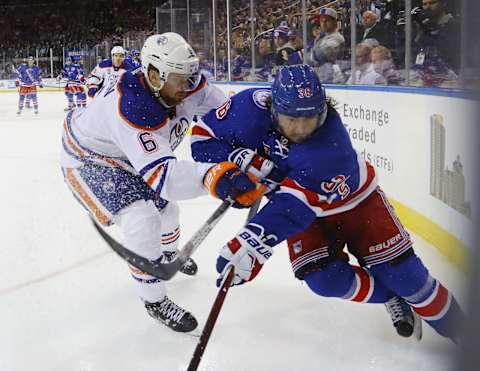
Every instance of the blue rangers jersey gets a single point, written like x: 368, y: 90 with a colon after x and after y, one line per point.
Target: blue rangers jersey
x: 29, y: 76
x: 325, y: 175
x: 73, y: 73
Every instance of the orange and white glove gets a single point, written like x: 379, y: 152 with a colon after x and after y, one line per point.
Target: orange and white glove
x: 227, y: 182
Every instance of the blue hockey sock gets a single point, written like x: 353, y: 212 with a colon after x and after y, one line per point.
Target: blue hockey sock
x: 427, y: 296
x: 342, y: 280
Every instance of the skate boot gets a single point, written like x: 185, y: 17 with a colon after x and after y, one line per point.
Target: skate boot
x: 190, y: 268
x: 19, y: 112
x: 35, y: 111
x: 406, y: 321
x: 172, y: 315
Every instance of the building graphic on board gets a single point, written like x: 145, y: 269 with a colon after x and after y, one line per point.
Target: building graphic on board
x: 445, y: 184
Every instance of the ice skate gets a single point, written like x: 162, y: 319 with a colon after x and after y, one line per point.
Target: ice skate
x: 172, y: 315
x: 406, y: 321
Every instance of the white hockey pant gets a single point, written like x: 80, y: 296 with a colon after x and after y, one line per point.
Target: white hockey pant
x: 152, y: 234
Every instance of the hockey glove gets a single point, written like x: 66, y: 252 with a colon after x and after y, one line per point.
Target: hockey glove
x: 17, y: 83
x: 247, y: 253
x: 91, y: 92
x: 227, y: 182
x: 40, y: 86
x: 265, y: 170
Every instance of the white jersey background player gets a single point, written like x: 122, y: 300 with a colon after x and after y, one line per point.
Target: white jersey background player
x: 118, y: 160
x: 108, y: 71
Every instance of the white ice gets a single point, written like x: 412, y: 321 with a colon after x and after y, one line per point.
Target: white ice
x: 67, y: 302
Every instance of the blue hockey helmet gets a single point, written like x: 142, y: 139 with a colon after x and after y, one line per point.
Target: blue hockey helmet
x: 297, y: 92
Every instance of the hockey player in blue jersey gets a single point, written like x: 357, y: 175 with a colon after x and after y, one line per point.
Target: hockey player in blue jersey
x: 29, y: 76
x: 75, y: 86
x: 133, y: 58
x: 324, y: 196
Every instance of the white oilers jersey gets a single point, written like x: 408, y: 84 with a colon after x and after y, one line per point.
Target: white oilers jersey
x: 105, y: 74
x: 126, y: 127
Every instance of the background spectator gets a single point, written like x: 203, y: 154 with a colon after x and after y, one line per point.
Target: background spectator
x: 366, y: 74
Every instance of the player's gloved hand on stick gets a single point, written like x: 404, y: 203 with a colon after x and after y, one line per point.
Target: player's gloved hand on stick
x: 264, y: 169
x: 91, y: 92
x: 247, y: 253
x: 227, y: 182
x: 41, y: 86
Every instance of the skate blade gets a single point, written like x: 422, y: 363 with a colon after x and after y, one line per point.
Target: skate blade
x: 417, y: 326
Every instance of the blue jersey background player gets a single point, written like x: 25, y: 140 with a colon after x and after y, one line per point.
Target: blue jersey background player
x: 29, y: 76
x: 325, y: 197
x: 75, y: 86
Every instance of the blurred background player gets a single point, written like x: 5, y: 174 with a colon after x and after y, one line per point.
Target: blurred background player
x: 29, y: 76
x: 75, y: 86
x: 133, y: 58
x: 326, y: 198
x: 124, y: 171
x: 107, y: 72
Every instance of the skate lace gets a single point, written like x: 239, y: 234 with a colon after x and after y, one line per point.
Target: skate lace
x: 171, y: 311
x: 397, y: 308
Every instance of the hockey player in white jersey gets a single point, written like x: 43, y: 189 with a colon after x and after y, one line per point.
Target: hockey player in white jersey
x: 117, y: 159
x: 109, y: 69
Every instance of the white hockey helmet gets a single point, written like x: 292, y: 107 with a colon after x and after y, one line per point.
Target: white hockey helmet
x: 117, y: 50
x: 169, y: 53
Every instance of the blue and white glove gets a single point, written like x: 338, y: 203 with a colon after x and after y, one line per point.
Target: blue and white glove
x: 265, y: 170
x: 247, y: 253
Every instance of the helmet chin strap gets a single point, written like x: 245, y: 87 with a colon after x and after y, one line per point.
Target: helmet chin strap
x: 156, y: 92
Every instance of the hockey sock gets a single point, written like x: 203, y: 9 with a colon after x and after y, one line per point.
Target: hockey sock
x: 34, y: 101
x: 342, y: 280
x: 427, y: 296
x: 69, y: 99
x: 21, y: 102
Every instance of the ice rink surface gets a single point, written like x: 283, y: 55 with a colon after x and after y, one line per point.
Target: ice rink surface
x: 67, y: 302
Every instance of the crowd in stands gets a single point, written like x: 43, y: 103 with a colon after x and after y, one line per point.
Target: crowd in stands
x: 379, y: 47
x: 380, y: 41
x: 76, y: 23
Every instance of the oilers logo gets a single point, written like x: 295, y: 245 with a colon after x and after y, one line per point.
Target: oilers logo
x: 162, y: 40
x: 178, y: 131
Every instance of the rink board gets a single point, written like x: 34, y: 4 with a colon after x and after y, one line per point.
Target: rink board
x: 421, y: 143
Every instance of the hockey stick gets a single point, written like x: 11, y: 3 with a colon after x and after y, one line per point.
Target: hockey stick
x: 211, y: 320
x: 217, y: 306
x: 165, y: 271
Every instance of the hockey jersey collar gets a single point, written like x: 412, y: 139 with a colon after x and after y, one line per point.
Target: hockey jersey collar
x: 137, y: 106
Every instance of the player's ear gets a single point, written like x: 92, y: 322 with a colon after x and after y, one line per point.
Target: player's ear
x: 153, y: 75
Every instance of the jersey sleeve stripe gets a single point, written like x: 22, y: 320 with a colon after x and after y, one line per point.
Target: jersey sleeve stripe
x: 153, y: 164
x: 201, y: 131
x: 161, y: 182
x: 154, y: 175
x: 321, y: 205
